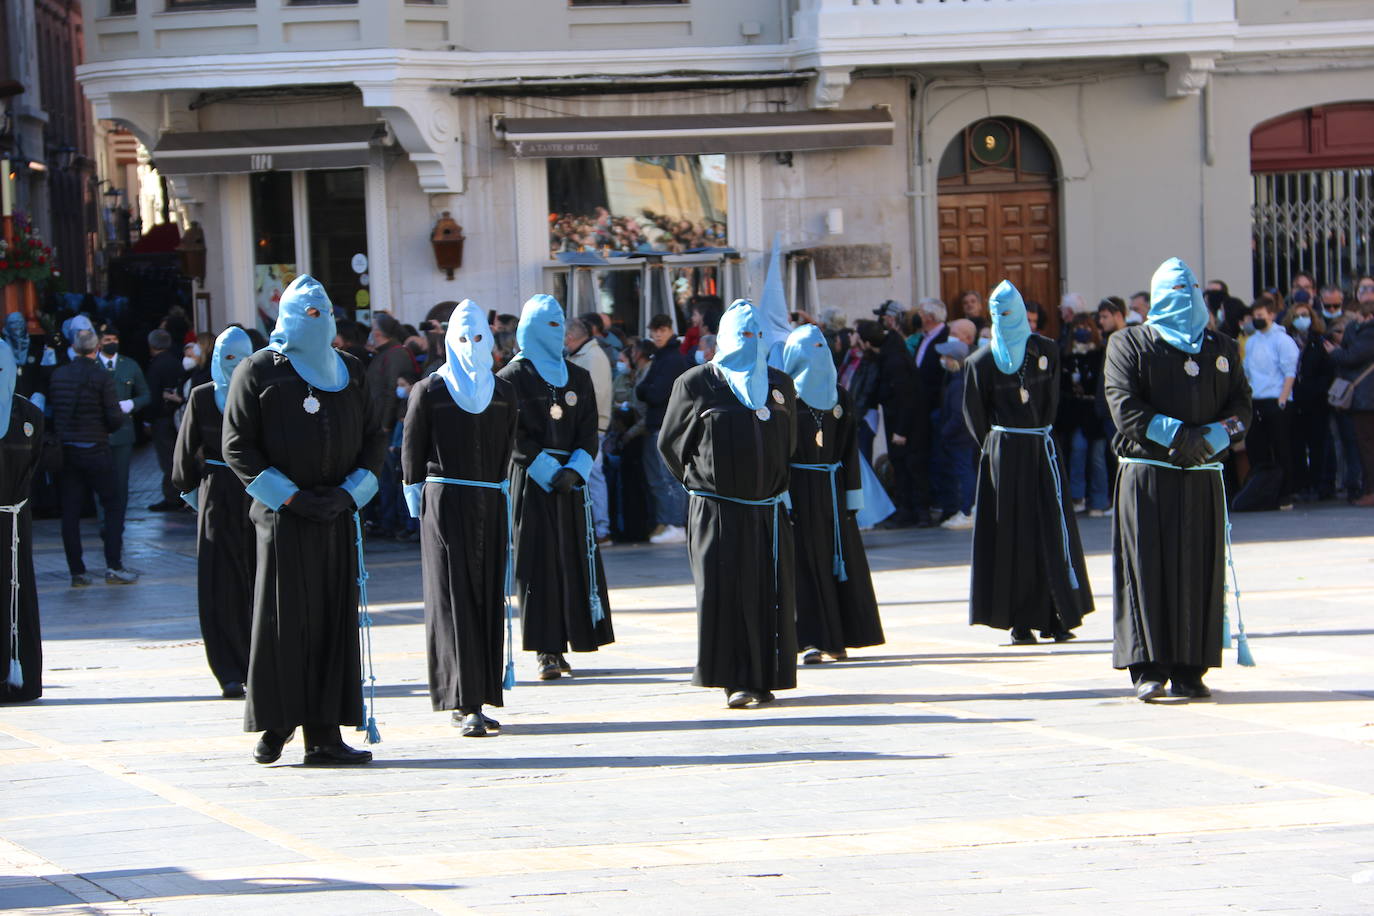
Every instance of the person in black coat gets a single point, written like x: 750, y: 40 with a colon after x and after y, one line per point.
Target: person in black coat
x: 564, y: 602
x: 457, y: 439
x: 226, y: 542
x: 901, y: 397
x: 1180, y: 399
x: 165, y: 375
x: 303, y: 435
x: 1028, y: 568
x: 85, y: 410
x: 1312, y: 445
x: 21, y: 676
x: 728, y: 436
x: 668, y: 363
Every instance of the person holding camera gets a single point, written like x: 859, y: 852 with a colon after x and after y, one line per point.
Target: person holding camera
x: 1179, y: 398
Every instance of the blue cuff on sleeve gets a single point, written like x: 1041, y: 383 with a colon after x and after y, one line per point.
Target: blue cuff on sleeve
x: 1217, y: 437
x: 582, y: 463
x: 272, y: 488
x: 854, y: 500
x: 361, y: 484
x: 413, y: 492
x: 542, y: 469
x: 1162, y: 430
x: 192, y: 499
x: 39, y: 400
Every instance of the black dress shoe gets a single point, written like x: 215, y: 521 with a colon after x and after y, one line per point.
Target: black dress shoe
x: 548, y: 667
x: 1193, y: 691
x: 1021, y: 637
x: 336, y: 755
x: 738, y: 699
x: 1058, y: 635
x: 564, y: 665
x: 492, y: 725
x: 270, y: 745
x: 471, y: 724
x: 232, y: 691
x: 1146, y: 691
x: 764, y: 696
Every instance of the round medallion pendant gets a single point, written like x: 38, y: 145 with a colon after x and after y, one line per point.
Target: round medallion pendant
x: 762, y: 413
x: 556, y: 411
x: 311, y: 404
x: 820, y: 438
x: 1191, y: 368
x: 1025, y: 396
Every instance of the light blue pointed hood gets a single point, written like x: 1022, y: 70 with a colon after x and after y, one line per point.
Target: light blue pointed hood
x: 540, y: 337
x: 772, y: 309
x: 308, y: 340
x: 468, y: 358
x: 743, y: 360
x: 1177, y: 310
x: 806, y: 357
x: 9, y: 378
x: 232, y: 347
x: 17, y: 333
x: 1010, y: 327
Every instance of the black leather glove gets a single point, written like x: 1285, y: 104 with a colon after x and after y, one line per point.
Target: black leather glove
x: 307, y: 504
x: 564, y: 480
x: 338, y: 499
x: 1190, y: 447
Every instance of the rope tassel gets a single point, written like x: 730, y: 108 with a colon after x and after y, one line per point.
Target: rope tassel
x: 15, y: 676
x: 369, y: 681
x: 593, y: 590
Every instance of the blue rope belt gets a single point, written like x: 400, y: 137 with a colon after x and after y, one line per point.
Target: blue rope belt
x: 772, y: 501
x: 15, y: 675
x: 1053, y: 455
x: 215, y: 462
x: 589, y: 528
x: 369, y: 682
x: 508, y: 680
x: 833, y: 472
x: 1243, y: 656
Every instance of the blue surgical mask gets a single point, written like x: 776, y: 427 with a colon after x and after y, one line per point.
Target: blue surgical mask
x: 1082, y: 335
x: 984, y: 342
x: 1302, y: 322
x: 402, y: 392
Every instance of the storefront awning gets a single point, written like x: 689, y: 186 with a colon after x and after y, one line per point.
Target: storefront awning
x: 222, y: 152
x: 672, y: 135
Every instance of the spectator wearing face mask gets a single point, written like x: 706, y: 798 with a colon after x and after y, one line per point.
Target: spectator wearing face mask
x: 1333, y: 304
x: 1354, y: 360
x: 1226, y: 308
x: 1078, y: 425
x: 1312, y: 445
x: 1271, y: 365
x: 391, y: 366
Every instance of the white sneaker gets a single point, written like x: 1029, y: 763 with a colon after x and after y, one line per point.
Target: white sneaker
x: 1080, y: 505
x: 671, y: 534
x: 958, y: 522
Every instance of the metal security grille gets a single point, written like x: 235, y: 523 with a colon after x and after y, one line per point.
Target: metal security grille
x: 1317, y: 221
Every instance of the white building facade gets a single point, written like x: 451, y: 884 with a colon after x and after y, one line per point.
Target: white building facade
x: 627, y: 155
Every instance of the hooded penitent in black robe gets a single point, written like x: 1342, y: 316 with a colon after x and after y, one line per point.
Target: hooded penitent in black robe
x: 551, y: 553
x: 832, y: 615
x: 304, y: 667
x: 1020, y: 574
x: 20, y: 452
x: 746, y: 609
x: 462, y: 537
x: 1168, y: 532
x: 226, y: 542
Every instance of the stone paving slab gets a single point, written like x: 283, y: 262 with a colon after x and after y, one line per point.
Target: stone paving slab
x: 942, y: 772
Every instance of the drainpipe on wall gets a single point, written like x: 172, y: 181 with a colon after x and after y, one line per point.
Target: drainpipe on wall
x: 915, y: 182
x: 1208, y: 159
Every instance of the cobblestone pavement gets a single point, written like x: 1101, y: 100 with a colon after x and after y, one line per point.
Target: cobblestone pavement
x: 945, y: 771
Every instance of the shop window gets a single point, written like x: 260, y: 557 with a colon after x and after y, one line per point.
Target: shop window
x: 311, y: 222
x: 665, y: 204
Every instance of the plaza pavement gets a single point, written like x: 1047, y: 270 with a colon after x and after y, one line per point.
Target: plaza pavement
x: 942, y: 772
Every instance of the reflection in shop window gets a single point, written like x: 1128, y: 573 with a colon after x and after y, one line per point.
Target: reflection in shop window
x: 643, y: 203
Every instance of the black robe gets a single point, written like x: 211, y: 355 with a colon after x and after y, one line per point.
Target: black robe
x: 831, y: 615
x: 226, y: 543
x: 746, y: 609
x: 20, y: 452
x: 304, y: 666
x: 551, y: 562
x: 1020, y: 576
x: 1168, y: 532
x: 462, y: 538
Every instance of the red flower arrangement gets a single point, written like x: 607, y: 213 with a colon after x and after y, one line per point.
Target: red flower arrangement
x: 26, y: 257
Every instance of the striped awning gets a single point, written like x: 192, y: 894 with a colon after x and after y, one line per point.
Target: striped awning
x: 659, y: 135
x: 223, y: 152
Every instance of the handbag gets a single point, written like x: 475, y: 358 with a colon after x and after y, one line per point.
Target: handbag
x: 1342, y: 391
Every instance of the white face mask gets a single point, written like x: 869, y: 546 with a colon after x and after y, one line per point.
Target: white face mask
x: 188, y: 363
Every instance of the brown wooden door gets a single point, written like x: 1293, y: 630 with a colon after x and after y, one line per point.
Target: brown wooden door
x: 990, y: 236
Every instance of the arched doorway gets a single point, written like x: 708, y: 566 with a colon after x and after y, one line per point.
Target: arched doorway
x: 1313, y: 200
x: 999, y: 214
